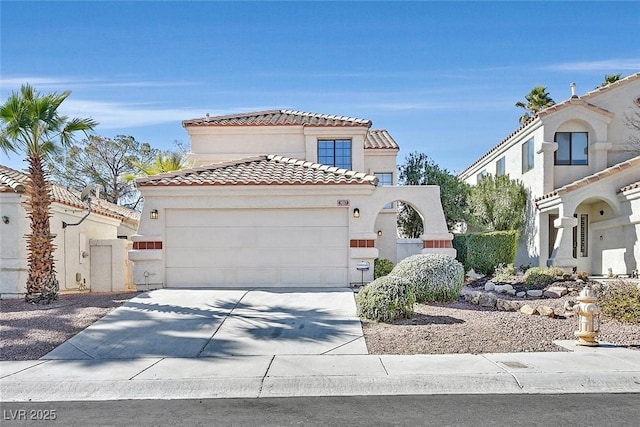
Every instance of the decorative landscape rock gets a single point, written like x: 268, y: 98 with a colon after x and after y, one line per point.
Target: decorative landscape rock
x: 543, y: 310
x: 487, y: 300
x: 527, y: 309
x: 534, y: 293
x: 507, y: 305
x: 521, y: 294
x: 489, y: 286
x: 555, y: 292
x: 502, y: 289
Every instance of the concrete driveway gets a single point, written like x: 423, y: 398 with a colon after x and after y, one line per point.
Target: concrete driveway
x: 215, y: 322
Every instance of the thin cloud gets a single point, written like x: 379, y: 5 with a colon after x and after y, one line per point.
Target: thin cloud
x: 57, y: 83
x: 112, y: 115
x: 604, y: 65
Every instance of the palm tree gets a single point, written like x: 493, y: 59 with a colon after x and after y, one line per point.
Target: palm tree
x: 169, y: 161
x: 610, y: 78
x: 32, y: 125
x: 538, y: 99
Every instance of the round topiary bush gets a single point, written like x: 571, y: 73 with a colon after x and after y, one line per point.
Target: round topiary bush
x: 435, y: 277
x: 386, y: 299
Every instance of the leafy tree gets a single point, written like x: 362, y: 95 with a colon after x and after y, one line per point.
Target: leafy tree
x: 610, y: 78
x: 419, y: 169
x: 632, y: 122
x: 104, y: 161
x: 498, y: 204
x: 538, y: 99
x: 32, y: 125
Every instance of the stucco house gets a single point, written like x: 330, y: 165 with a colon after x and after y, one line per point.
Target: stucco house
x: 89, y: 256
x: 583, y: 177
x: 278, y: 198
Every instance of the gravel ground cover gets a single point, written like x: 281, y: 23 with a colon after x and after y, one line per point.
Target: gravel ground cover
x: 29, y: 331
x: 462, y: 327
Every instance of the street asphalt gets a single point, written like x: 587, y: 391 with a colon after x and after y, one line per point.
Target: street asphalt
x: 199, y: 344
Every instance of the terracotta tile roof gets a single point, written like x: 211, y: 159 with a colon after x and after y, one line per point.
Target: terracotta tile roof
x: 13, y: 181
x: 278, y: 118
x: 612, y: 170
x: 582, y: 100
x: 261, y: 170
x: 380, y: 139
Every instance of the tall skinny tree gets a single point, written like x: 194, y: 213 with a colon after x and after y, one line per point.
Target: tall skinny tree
x: 33, y: 126
x: 538, y: 99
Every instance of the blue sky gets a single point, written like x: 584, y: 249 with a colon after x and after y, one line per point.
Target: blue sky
x: 442, y: 77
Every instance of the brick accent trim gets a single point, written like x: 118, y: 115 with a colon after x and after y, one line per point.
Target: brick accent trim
x: 361, y: 243
x: 147, y: 245
x: 430, y: 244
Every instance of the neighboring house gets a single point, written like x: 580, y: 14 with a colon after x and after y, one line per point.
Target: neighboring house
x: 583, y: 177
x: 89, y: 256
x: 278, y: 198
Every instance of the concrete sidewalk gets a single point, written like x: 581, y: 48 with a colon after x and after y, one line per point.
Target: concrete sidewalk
x: 606, y: 369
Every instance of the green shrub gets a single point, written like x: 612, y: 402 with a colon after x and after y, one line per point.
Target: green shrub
x: 460, y: 245
x: 487, y: 250
x: 556, y: 271
x: 381, y: 267
x: 435, y: 277
x: 386, y: 299
x: 505, y: 272
x: 621, y: 301
x: 539, y: 276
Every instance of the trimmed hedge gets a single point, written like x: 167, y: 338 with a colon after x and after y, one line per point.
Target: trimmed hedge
x: 484, y: 251
x: 460, y: 245
x: 386, y: 299
x: 381, y: 267
x: 435, y: 277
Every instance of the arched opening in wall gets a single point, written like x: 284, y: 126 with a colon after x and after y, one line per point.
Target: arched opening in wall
x: 398, y: 226
x: 410, y: 221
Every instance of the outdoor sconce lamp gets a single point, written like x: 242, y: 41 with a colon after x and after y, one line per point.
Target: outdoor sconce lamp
x: 356, y: 213
x: 379, y: 232
x: 5, y: 219
x: 154, y: 214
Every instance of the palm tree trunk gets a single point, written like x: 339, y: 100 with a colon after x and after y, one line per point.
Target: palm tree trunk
x: 42, y: 285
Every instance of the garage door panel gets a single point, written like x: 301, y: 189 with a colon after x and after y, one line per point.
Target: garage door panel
x: 276, y: 237
x: 245, y: 247
x: 256, y: 257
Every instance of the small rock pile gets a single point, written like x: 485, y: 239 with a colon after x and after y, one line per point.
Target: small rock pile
x: 499, y: 296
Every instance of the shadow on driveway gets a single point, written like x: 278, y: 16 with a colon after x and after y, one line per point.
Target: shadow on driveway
x: 206, y: 323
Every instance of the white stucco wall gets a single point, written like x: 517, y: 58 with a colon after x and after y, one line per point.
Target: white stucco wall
x: 69, y: 245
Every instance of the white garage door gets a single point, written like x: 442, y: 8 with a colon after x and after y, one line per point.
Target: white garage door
x: 249, y: 247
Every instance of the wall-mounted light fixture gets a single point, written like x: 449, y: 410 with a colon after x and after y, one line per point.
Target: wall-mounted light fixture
x: 5, y: 219
x: 154, y: 214
x: 379, y: 232
x: 356, y: 213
